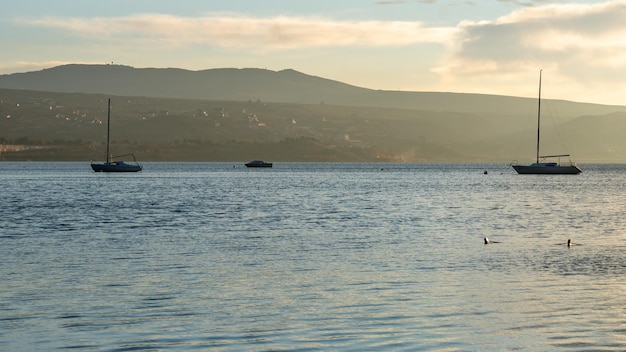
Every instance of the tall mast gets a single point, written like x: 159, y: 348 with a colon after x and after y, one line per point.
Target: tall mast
x: 108, y: 130
x: 539, y: 116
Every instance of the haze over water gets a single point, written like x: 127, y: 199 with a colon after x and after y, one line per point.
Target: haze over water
x: 214, y: 256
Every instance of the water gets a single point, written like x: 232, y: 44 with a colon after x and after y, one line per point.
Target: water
x: 351, y: 257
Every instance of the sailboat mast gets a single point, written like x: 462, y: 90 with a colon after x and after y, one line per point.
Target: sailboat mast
x: 108, y: 130
x: 539, y: 116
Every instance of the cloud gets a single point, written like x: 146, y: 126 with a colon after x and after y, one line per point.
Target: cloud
x: 237, y: 31
x: 586, y: 41
x: 545, y: 33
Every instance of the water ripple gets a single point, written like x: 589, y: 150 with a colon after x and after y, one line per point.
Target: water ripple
x: 307, y: 257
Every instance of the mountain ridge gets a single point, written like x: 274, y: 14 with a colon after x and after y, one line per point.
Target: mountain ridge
x: 255, y: 84
x: 237, y: 111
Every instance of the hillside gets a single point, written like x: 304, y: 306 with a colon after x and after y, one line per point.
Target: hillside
x: 183, y: 129
x: 286, y: 86
x: 231, y: 115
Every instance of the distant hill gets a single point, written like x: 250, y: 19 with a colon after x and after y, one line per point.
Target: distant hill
x: 240, y: 114
x: 214, y: 84
x: 286, y: 86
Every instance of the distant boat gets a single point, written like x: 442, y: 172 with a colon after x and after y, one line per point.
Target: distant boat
x: 540, y: 167
x: 115, y: 166
x: 258, y: 163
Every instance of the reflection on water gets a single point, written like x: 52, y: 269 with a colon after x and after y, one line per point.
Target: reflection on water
x: 311, y: 257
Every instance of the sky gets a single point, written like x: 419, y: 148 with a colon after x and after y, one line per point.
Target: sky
x: 466, y: 46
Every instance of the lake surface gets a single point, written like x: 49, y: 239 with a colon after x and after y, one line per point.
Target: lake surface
x: 350, y: 257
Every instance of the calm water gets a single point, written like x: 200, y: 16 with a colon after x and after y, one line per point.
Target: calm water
x: 208, y: 256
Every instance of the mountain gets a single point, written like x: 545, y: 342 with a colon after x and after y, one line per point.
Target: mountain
x: 286, y: 86
x: 214, y: 84
x: 244, y: 114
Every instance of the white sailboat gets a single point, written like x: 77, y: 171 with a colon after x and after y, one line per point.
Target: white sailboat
x: 115, y: 166
x: 541, y: 166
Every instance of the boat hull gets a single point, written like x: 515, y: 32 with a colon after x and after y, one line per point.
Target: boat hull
x: 547, y: 169
x: 258, y: 163
x: 116, y: 167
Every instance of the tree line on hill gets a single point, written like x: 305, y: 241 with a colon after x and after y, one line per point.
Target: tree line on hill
x: 230, y: 114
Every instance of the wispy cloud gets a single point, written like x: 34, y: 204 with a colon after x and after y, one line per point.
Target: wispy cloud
x: 237, y: 31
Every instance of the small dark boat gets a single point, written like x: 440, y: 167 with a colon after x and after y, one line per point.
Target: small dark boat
x: 258, y: 163
x: 115, y: 166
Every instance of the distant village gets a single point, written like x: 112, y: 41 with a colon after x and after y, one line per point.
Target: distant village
x: 69, y: 126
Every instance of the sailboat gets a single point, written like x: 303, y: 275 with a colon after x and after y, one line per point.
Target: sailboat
x: 540, y: 166
x: 115, y: 166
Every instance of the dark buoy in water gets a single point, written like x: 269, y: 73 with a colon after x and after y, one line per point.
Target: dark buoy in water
x: 485, y: 173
